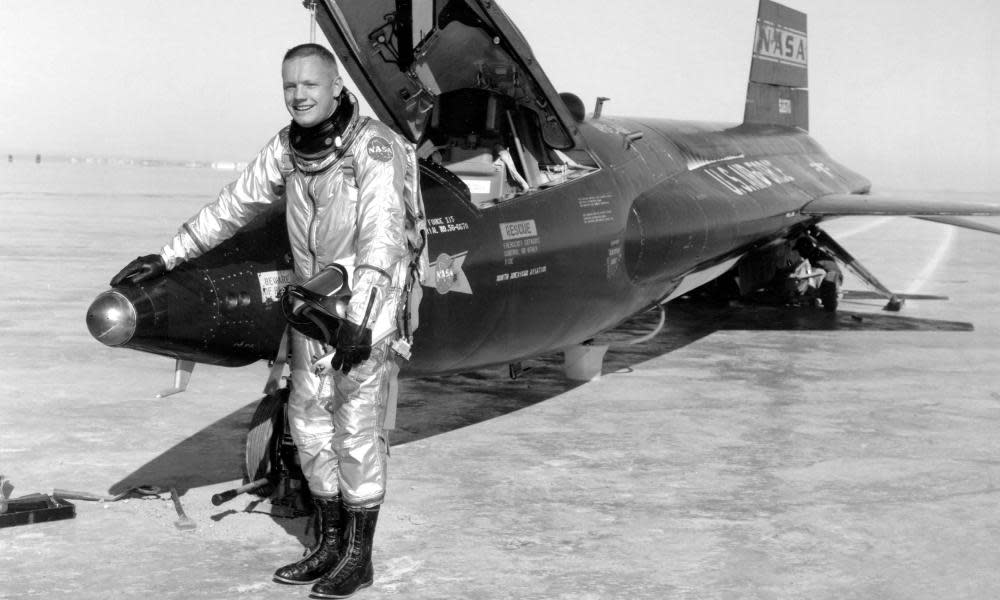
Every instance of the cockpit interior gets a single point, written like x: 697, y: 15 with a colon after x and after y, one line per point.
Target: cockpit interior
x: 495, y: 146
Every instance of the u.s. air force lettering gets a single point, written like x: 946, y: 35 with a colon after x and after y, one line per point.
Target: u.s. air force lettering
x: 747, y: 177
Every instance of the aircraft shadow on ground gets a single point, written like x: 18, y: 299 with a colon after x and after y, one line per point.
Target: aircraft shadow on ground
x: 434, y: 405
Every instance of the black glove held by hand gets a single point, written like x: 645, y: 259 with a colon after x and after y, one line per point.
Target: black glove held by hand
x: 354, y: 346
x: 141, y: 269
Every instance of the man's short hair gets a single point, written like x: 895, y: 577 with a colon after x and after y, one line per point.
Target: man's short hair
x: 304, y: 50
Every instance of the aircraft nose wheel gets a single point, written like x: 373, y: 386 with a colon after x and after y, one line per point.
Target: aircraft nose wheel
x: 261, y: 451
x: 270, y: 453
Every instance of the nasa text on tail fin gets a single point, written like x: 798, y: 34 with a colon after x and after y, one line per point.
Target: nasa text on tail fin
x: 777, y: 93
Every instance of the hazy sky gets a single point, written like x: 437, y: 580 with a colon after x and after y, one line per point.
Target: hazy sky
x: 904, y: 91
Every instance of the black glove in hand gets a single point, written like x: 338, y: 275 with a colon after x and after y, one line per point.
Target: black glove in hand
x: 354, y: 346
x: 141, y: 269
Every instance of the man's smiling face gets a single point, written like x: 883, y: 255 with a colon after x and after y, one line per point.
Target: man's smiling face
x: 311, y: 88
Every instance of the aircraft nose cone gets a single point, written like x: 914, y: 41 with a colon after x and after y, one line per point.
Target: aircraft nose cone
x: 111, y: 319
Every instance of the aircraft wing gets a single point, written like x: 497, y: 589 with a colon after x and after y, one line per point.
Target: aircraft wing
x: 965, y: 223
x: 949, y: 209
x: 904, y: 205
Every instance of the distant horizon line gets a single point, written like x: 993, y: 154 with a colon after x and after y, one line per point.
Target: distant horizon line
x: 38, y: 157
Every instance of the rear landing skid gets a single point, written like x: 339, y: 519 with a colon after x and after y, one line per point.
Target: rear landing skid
x: 867, y: 295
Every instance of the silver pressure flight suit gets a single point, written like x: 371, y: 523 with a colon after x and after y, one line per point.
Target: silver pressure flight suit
x: 348, y: 207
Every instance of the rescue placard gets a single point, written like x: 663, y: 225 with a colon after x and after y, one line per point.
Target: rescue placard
x: 518, y: 229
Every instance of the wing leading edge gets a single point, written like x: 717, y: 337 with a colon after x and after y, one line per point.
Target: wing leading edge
x: 939, y: 208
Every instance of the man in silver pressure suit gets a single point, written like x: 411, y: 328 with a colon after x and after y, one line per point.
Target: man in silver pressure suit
x: 352, y: 199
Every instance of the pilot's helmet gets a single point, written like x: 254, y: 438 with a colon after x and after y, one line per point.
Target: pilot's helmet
x: 316, y: 307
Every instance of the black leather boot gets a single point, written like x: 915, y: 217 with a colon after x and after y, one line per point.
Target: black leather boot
x: 355, y: 570
x: 325, y: 555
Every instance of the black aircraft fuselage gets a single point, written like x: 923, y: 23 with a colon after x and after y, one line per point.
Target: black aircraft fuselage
x: 538, y: 273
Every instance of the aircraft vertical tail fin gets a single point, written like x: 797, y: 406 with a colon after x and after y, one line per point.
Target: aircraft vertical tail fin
x: 777, y: 91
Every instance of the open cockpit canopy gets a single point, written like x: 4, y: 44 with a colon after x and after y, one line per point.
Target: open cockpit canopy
x: 457, y: 78
x: 406, y: 54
